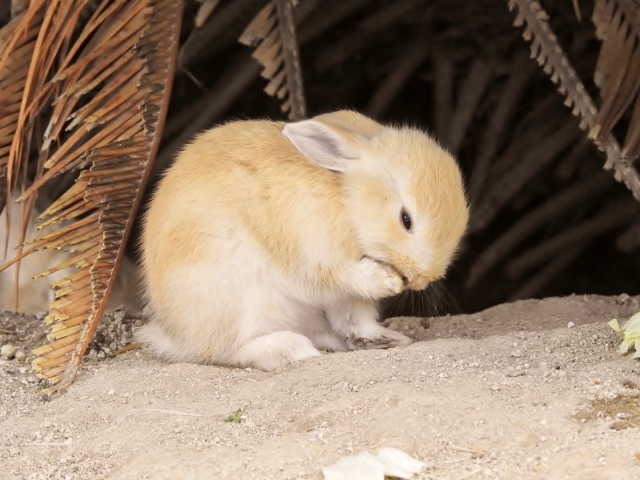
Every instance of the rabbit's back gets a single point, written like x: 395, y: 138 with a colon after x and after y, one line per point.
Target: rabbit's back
x: 246, y: 179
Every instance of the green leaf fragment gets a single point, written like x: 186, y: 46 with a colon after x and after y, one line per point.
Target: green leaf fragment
x: 235, y: 417
x: 631, y: 331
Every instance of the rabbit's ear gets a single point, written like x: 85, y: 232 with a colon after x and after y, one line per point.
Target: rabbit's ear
x: 321, y: 144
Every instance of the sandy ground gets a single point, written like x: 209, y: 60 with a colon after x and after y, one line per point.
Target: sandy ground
x: 512, y: 392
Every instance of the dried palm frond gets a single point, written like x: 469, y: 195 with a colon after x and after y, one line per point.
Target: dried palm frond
x: 273, y: 32
x: 617, y: 73
x: 106, y: 81
x: 205, y: 11
x: 218, y: 31
x: 17, y: 42
x: 550, y: 56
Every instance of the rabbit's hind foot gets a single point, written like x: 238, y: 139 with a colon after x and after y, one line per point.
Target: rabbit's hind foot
x: 274, y: 350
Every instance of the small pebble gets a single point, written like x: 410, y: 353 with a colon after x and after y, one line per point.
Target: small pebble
x: 570, y: 325
x: 20, y: 355
x: 8, y: 351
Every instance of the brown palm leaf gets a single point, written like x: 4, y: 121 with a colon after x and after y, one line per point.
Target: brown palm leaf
x: 273, y: 32
x: 17, y: 42
x: 617, y: 73
x: 102, y: 73
x: 550, y: 56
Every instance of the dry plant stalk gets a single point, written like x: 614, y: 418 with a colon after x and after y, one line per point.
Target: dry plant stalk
x: 443, y: 92
x: 17, y: 43
x: 533, y: 161
x: 334, y: 12
x: 416, y: 52
x: 535, y: 219
x: 521, y: 71
x: 273, y: 33
x: 104, y: 71
x: 218, y: 31
x: 617, y: 73
x: 204, y: 12
x: 365, y: 32
x: 629, y: 240
x: 471, y: 91
x: 612, y: 216
x: 561, y: 261
x: 547, y: 51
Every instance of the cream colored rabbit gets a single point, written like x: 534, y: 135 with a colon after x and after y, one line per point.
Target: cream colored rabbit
x: 267, y: 241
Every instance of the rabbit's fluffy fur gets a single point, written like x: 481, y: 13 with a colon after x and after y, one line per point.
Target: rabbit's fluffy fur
x: 267, y: 241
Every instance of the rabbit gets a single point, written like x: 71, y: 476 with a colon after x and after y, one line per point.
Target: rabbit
x: 35, y: 296
x: 266, y: 242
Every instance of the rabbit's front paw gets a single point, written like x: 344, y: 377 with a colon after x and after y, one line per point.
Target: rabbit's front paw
x: 382, y: 279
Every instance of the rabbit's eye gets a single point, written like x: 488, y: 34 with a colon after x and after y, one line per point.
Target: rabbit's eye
x: 406, y: 219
